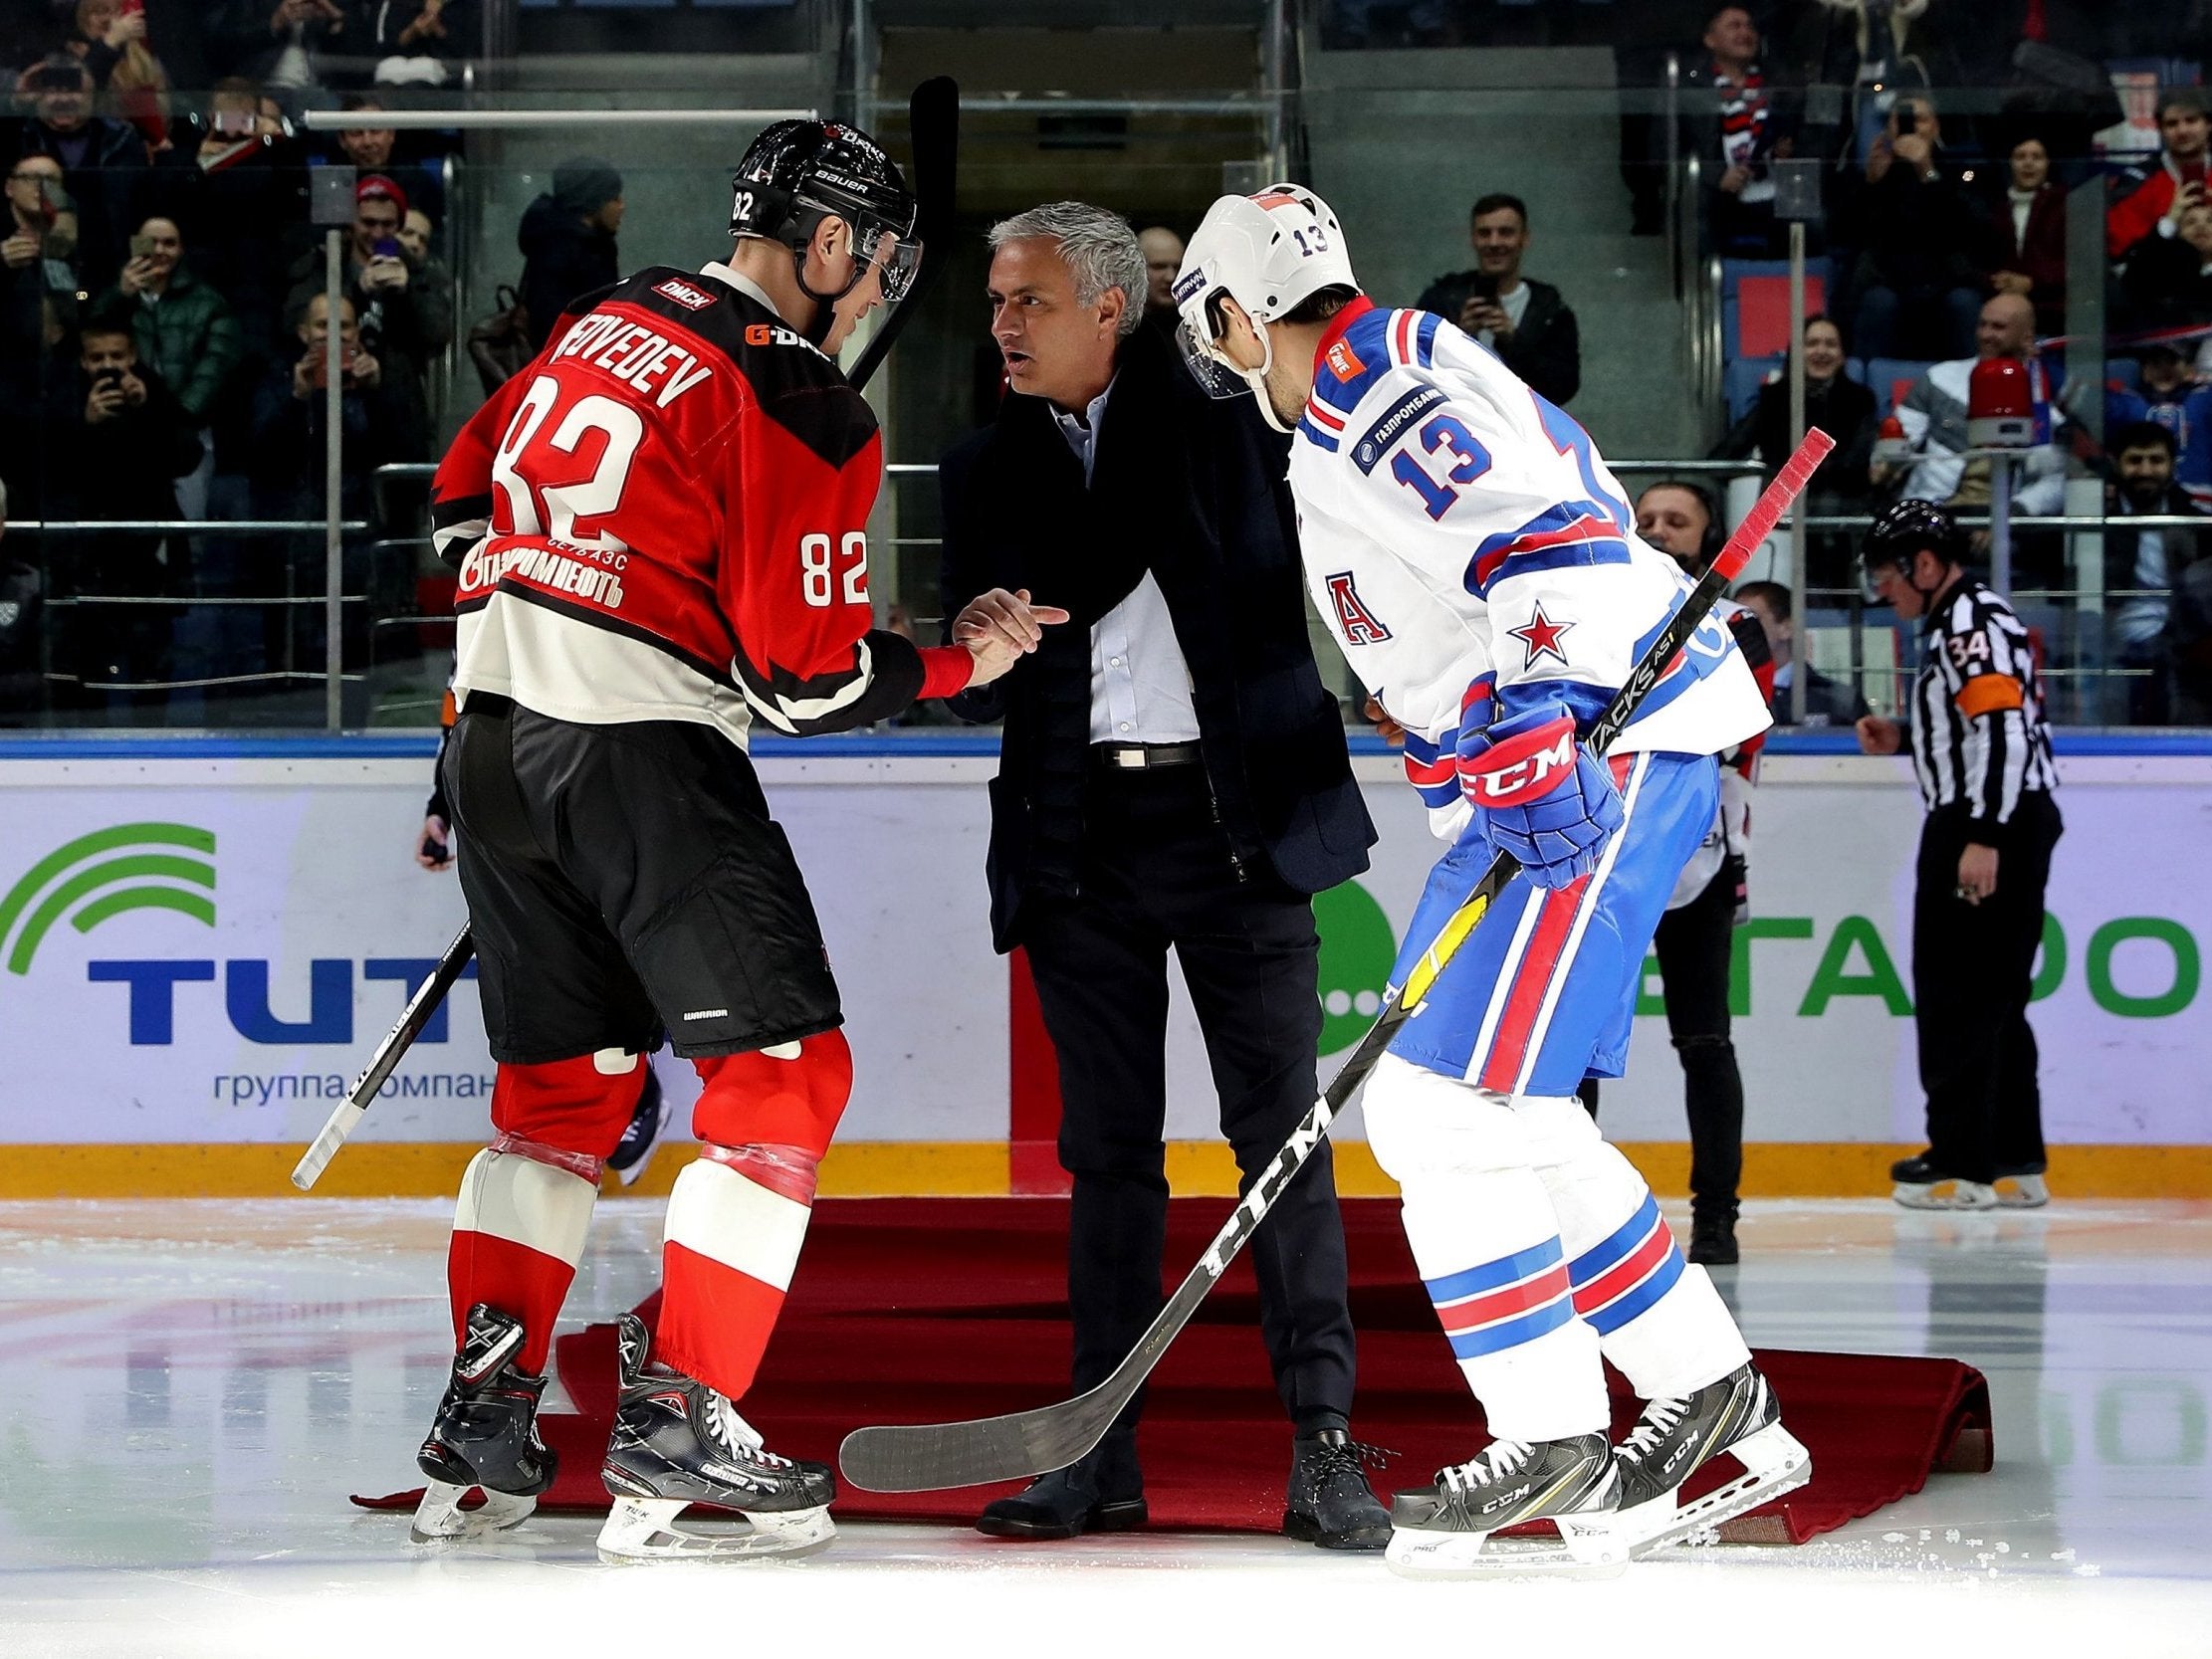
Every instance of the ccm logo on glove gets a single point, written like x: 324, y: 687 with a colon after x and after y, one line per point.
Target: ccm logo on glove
x: 1522, y: 767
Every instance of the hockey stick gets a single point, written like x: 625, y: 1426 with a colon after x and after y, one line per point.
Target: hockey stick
x: 924, y: 1457
x: 398, y: 1041
x: 934, y: 126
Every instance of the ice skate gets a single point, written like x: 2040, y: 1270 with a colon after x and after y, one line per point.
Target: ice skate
x: 1735, y: 1417
x: 677, y: 1442
x: 1445, y: 1531
x: 2022, y: 1189
x: 485, y: 1436
x: 1923, y: 1186
x: 633, y: 1153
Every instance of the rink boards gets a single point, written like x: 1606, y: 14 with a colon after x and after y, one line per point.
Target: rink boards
x: 200, y: 943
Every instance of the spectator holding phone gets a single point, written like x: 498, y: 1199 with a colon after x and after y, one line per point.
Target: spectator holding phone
x: 2150, y: 199
x: 38, y: 256
x: 185, y: 330
x: 405, y: 313
x: 103, y: 162
x: 109, y: 38
x: 1527, y: 323
x: 280, y: 42
x: 117, y: 441
x: 379, y: 422
x: 1920, y: 289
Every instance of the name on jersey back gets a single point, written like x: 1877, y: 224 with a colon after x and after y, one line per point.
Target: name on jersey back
x: 635, y: 355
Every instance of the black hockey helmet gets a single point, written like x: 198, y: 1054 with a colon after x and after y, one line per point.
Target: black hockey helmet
x: 1904, y: 527
x: 799, y: 172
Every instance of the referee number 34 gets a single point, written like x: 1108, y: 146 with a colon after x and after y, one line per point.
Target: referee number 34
x: 824, y: 570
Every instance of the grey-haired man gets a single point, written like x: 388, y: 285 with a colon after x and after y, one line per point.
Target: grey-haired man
x: 1173, y: 775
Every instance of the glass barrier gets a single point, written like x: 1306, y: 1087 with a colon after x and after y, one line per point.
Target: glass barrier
x: 172, y: 537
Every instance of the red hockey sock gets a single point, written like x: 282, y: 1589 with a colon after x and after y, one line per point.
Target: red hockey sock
x: 738, y: 1214
x: 526, y: 1201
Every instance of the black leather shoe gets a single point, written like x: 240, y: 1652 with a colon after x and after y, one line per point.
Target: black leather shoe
x: 1103, y: 1492
x: 1329, y: 1502
x: 1712, y: 1238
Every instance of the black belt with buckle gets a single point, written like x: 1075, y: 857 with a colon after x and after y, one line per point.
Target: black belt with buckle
x: 1136, y: 758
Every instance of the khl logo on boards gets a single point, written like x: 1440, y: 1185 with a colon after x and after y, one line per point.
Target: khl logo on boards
x: 127, y: 868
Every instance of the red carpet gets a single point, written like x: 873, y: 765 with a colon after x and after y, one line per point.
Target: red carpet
x: 912, y: 1310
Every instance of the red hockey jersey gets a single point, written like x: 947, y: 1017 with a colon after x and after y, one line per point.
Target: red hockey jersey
x: 664, y: 517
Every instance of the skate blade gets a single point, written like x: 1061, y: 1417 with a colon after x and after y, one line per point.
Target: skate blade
x: 1588, y: 1547
x: 1948, y: 1196
x: 440, y: 1519
x: 2021, y: 1192
x: 645, y: 1529
x: 1773, y: 1462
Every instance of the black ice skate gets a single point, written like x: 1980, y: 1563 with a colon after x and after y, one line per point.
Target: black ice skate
x: 677, y: 1442
x: 1445, y: 1531
x: 485, y: 1435
x: 1736, y: 1417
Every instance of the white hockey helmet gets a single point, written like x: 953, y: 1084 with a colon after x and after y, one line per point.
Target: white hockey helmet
x: 1268, y: 253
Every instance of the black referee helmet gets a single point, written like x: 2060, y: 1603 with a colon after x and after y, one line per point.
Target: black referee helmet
x: 1904, y: 527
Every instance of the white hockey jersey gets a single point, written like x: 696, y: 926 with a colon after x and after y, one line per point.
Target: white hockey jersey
x: 1474, y: 556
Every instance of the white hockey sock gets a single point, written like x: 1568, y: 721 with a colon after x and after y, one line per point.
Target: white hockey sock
x: 519, y: 1231
x: 1658, y: 1318
x: 1488, y: 1245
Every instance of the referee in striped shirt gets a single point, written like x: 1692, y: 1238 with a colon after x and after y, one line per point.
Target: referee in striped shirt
x: 1983, y: 756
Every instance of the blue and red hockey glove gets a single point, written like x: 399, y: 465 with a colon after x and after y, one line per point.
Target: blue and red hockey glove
x: 1542, y: 796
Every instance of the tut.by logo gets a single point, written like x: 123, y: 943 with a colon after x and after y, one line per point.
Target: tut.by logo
x: 171, y: 867
x: 104, y: 875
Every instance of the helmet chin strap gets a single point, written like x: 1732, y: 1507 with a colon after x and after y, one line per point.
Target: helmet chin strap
x: 825, y: 304
x: 1257, y: 378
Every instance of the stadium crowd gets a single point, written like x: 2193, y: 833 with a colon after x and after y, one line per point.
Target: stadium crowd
x: 162, y: 316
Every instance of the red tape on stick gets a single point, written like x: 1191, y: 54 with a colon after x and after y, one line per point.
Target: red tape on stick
x: 1773, y: 502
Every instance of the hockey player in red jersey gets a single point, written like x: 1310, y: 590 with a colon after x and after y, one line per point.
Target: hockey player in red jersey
x: 660, y: 531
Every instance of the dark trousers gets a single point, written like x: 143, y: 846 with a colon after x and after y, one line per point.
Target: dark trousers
x: 1157, y: 872
x: 1972, y: 966
x: 1694, y: 944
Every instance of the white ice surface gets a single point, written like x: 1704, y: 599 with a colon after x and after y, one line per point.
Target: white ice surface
x: 187, y: 1392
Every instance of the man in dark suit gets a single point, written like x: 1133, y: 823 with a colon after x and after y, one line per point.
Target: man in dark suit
x: 1174, y: 774
x: 1531, y: 328
x: 1826, y: 702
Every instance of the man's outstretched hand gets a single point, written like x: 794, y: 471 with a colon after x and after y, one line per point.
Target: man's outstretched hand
x: 1001, y: 628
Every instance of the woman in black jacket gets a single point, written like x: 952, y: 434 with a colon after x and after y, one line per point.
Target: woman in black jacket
x: 1842, y: 407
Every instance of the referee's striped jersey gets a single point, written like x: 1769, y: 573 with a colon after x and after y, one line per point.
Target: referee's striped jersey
x: 1978, y: 734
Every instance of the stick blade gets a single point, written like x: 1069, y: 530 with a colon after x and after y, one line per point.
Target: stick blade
x: 930, y: 1457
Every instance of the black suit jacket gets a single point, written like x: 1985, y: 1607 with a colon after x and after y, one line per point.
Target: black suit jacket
x: 1193, y: 490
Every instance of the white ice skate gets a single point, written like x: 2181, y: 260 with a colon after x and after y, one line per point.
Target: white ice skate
x: 1920, y: 1185
x: 1735, y: 1417
x: 678, y: 1442
x: 1448, y: 1531
x: 2024, y: 1191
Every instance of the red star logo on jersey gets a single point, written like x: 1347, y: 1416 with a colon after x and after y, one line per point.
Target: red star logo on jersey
x: 1542, y: 637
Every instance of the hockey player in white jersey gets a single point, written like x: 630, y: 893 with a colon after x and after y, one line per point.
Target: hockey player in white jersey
x: 1474, y: 557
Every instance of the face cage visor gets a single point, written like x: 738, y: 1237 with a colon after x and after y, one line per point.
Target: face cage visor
x: 1218, y: 377
x: 898, y: 264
